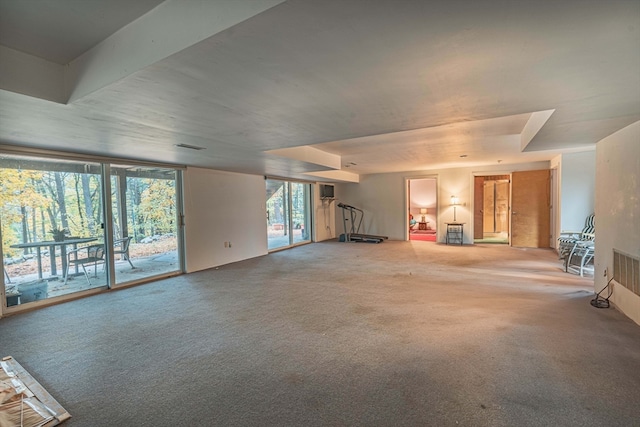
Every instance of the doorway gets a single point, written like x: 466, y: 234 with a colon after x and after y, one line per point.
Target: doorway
x: 422, y: 209
x: 288, y: 213
x: 514, y: 209
x: 491, y: 209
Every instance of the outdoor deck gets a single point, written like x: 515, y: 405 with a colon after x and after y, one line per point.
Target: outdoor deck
x: 23, y: 283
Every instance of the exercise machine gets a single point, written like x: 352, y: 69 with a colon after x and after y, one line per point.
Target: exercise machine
x: 352, y: 233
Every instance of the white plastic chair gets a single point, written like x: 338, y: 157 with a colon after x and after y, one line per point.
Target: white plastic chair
x: 568, y: 239
x: 581, y: 258
x: 121, y: 247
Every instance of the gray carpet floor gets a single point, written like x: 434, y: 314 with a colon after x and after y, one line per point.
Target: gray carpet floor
x: 342, y: 334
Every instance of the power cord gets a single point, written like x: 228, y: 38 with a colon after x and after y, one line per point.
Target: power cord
x: 327, y: 212
x: 598, y: 301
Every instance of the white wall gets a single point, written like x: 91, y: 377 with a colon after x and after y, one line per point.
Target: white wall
x: 223, y: 207
x: 617, y: 209
x: 383, y: 198
x: 230, y: 207
x: 577, y: 189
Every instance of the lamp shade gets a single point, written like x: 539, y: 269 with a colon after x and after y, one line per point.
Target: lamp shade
x: 454, y: 201
x: 423, y: 211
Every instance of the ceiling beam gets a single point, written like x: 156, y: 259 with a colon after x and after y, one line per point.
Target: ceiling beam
x: 533, y: 126
x: 32, y: 76
x: 310, y: 155
x: 169, y: 28
x: 339, y: 175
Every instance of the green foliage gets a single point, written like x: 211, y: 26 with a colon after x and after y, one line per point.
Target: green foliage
x: 30, y: 206
x: 277, y: 199
x: 19, y: 196
x: 157, y: 208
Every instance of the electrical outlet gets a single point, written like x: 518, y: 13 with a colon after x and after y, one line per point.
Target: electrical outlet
x: 605, y: 272
x: 229, y: 244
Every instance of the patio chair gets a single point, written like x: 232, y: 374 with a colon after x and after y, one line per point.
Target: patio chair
x: 568, y: 239
x: 581, y: 258
x: 92, y: 254
x: 121, y: 247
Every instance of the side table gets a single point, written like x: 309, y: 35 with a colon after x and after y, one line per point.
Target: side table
x: 455, y: 232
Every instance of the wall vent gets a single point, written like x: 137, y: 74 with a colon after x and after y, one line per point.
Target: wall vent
x: 626, y: 271
x: 190, y: 147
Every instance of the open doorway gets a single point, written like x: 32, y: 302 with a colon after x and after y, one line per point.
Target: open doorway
x: 422, y: 209
x: 491, y: 209
x: 288, y: 213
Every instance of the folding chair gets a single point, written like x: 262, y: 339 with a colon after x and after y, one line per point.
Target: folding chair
x: 568, y: 239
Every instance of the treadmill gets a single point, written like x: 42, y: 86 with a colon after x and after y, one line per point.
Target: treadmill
x: 352, y: 232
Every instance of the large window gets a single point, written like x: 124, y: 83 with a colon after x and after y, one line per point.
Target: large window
x: 54, y: 221
x: 288, y: 213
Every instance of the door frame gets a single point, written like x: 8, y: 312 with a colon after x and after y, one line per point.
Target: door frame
x: 473, y: 195
x: 407, y: 203
x: 555, y: 203
x: 288, y: 212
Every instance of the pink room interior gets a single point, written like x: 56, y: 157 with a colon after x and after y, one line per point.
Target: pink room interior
x: 422, y: 209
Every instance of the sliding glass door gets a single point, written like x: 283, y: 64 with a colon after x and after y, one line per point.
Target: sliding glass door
x: 144, y: 222
x: 61, y: 235
x: 288, y: 213
x: 299, y: 202
x: 51, y: 225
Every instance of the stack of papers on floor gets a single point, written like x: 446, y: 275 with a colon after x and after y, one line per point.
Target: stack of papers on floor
x: 23, y: 401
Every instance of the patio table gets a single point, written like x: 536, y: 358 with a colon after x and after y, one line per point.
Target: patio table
x: 51, y: 244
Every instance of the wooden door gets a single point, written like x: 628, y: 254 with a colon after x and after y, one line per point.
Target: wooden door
x: 530, y: 209
x: 478, y: 207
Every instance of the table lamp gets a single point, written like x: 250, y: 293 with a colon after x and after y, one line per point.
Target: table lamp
x: 423, y: 211
x: 454, y: 203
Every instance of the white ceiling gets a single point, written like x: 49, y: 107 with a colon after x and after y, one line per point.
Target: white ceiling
x: 386, y: 85
x: 61, y: 30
